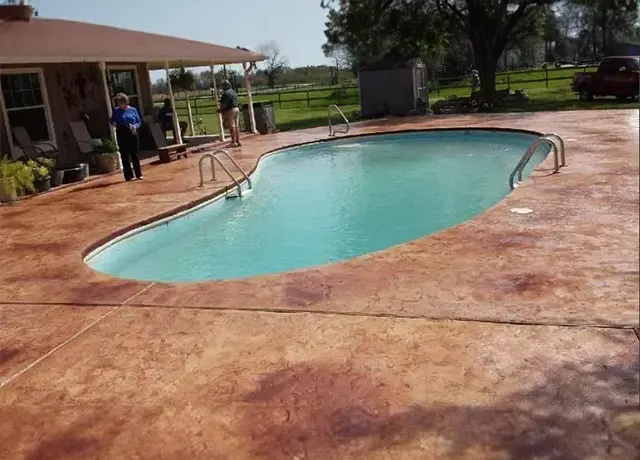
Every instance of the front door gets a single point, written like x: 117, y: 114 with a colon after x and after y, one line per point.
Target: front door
x: 125, y: 81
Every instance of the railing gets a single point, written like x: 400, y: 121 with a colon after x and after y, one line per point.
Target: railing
x: 527, y: 157
x: 214, y: 159
x: 563, y: 158
x: 233, y: 160
x: 332, y: 131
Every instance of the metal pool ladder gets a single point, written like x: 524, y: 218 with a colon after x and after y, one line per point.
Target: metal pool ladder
x: 214, y: 159
x: 552, y: 140
x: 332, y: 130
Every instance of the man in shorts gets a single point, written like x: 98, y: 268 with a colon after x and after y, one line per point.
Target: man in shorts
x: 230, y: 112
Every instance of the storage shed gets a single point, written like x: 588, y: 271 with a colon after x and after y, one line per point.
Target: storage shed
x: 391, y: 86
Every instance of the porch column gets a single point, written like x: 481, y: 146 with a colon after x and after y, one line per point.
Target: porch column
x: 247, y: 84
x: 216, y: 102
x: 107, y: 97
x: 176, y: 123
x: 105, y: 84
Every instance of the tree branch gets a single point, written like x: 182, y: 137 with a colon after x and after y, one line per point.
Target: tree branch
x: 449, y: 9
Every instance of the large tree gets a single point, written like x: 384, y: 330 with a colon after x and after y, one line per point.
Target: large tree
x: 606, y: 21
x: 372, y: 29
x: 493, y: 26
x: 410, y: 28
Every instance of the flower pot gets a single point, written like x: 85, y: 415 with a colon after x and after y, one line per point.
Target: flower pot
x: 107, y: 163
x: 43, y: 185
x: 57, y: 176
x: 8, y: 189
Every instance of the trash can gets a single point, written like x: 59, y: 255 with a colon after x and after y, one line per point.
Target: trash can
x: 265, y: 117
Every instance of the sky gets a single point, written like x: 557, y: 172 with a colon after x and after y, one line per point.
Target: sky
x: 296, y: 25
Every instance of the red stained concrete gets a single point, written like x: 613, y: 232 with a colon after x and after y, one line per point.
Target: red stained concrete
x: 574, y: 260
x: 165, y: 377
x: 156, y: 383
x: 28, y: 332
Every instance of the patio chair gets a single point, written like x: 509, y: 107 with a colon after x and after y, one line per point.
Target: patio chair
x: 166, y: 150
x: 33, y: 152
x: 83, y: 139
x: 29, y: 149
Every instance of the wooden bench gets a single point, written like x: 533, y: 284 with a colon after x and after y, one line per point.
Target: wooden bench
x: 166, y: 151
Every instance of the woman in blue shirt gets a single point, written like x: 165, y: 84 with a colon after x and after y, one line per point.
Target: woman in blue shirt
x: 127, y: 123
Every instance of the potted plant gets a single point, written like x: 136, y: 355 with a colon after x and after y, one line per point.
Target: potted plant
x: 16, y: 179
x: 41, y: 176
x: 107, y: 155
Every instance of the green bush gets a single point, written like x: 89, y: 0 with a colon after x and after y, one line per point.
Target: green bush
x: 49, y: 163
x: 39, y: 171
x: 21, y: 174
x: 108, y: 147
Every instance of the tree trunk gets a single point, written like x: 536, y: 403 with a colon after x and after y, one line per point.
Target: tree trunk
x: 487, y: 67
x: 594, y: 40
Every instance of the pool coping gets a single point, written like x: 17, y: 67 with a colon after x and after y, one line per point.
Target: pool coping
x: 115, y: 237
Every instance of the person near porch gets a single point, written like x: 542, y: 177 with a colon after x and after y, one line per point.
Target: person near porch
x: 230, y: 112
x: 165, y: 118
x: 126, y: 120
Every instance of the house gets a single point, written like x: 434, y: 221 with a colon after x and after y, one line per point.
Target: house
x: 53, y: 72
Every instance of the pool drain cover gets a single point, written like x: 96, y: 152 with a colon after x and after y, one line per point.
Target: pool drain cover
x: 521, y: 210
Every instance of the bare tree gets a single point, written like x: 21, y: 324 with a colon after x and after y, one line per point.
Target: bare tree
x: 341, y: 61
x: 275, y: 63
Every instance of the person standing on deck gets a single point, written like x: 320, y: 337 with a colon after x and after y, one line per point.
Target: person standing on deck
x: 126, y: 120
x: 230, y: 112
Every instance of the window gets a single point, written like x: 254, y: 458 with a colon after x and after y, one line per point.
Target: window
x: 124, y: 81
x: 609, y: 66
x: 25, y: 103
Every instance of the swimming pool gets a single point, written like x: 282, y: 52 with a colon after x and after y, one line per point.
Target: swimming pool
x: 327, y: 202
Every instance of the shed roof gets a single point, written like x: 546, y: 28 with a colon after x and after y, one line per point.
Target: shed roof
x: 42, y: 40
x: 388, y: 62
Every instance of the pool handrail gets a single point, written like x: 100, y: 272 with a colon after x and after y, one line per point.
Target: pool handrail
x: 524, y: 160
x: 332, y: 131
x: 233, y: 160
x: 551, y: 137
x: 214, y: 158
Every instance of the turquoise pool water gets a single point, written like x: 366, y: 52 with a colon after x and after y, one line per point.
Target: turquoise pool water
x: 326, y: 202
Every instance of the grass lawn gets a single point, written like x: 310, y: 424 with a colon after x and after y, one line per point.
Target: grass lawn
x: 308, y: 108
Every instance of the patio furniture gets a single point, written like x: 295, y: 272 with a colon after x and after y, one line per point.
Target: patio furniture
x: 29, y: 149
x: 165, y: 150
x: 83, y: 139
x: 71, y: 172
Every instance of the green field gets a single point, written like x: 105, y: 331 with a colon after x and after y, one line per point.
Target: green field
x: 305, y: 108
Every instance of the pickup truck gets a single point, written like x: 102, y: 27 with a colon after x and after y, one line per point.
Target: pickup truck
x: 616, y: 76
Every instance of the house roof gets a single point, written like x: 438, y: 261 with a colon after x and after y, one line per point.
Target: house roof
x: 54, y: 40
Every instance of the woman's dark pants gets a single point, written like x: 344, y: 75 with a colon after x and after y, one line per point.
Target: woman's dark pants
x: 129, y: 145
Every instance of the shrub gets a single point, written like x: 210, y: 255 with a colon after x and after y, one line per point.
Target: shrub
x: 39, y: 171
x: 49, y: 163
x: 21, y: 174
x: 107, y: 147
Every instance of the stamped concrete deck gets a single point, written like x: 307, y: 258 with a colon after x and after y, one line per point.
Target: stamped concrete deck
x: 508, y: 336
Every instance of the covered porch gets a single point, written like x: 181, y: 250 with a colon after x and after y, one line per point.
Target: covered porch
x: 55, y: 72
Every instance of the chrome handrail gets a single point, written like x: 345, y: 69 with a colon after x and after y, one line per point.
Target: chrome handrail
x: 233, y: 160
x: 213, y: 170
x: 524, y: 160
x: 332, y: 131
x: 551, y: 136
